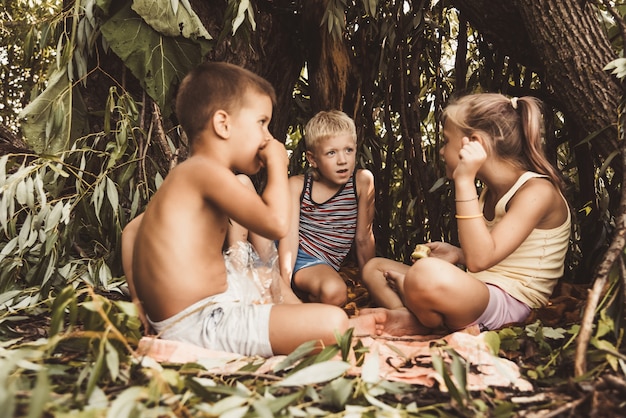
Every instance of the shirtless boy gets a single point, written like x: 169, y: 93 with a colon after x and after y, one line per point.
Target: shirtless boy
x: 178, y: 273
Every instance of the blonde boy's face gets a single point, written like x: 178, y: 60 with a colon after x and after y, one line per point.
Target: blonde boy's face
x: 334, y: 157
x: 250, y: 132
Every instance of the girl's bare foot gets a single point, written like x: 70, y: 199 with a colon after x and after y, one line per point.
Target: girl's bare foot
x: 395, y: 281
x: 397, y: 322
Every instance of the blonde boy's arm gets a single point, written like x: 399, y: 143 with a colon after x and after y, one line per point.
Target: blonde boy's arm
x: 364, y: 239
x: 288, y: 246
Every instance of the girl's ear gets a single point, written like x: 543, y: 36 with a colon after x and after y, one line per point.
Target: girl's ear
x: 477, y: 137
x: 221, y: 123
x: 310, y: 157
x: 482, y: 139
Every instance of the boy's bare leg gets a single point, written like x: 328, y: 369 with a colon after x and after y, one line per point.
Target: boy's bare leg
x: 292, y: 325
x: 368, y: 324
x: 375, y: 278
x: 323, y: 284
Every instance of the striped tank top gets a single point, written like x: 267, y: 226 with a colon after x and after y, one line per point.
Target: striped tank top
x: 327, y: 229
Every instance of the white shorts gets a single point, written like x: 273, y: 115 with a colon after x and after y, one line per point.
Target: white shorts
x: 225, y: 326
x: 232, y: 321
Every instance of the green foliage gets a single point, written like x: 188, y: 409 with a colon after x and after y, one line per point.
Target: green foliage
x: 28, y: 36
x: 159, y: 45
x: 61, y: 215
x: 159, y: 56
x: 96, y: 343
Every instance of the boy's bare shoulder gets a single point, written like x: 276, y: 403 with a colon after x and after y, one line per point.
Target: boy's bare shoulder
x: 363, y: 174
x: 364, y: 179
x: 204, y: 169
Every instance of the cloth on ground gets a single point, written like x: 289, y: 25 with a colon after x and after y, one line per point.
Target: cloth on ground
x: 408, y: 360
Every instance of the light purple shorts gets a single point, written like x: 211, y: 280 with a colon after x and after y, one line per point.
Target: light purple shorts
x: 502, y: 309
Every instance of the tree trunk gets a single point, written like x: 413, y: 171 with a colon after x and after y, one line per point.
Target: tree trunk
x: 569, y: 51
x: 328, y: 60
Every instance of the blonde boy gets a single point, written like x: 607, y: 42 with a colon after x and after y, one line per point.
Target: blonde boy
x: 332, y: 210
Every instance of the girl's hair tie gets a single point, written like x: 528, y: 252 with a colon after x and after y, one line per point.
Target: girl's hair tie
x: 514, y: 102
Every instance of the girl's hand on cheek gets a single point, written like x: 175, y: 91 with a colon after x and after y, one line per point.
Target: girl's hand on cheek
x: 471, y: 157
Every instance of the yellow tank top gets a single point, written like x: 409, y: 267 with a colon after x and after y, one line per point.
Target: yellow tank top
x: 530, y: 273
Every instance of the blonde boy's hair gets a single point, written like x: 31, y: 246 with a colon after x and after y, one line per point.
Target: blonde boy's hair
x: 326, y: 124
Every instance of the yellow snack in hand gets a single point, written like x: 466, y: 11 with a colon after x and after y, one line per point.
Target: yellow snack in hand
x: 420, y: 251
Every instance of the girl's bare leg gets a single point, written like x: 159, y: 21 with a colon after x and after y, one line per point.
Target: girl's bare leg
x: 374, y: 276
x: 441, y: 295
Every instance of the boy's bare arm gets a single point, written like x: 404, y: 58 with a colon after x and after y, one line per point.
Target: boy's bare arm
x: 365, y: 243
x: 276, y: 194
x: 267, y: 215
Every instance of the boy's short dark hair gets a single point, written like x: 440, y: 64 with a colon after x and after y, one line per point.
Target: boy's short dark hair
x: 212, y: 86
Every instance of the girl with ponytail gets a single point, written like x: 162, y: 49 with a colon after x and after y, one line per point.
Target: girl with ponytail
x: 513, y: 236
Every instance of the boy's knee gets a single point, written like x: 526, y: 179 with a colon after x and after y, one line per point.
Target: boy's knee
x: 334, y: 293
x: 338, y: 320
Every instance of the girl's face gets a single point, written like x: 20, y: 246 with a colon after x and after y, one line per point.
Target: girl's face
x: 452, y: 143
x: 335, y: 158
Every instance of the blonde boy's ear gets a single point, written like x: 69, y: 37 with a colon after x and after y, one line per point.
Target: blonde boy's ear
x: 311, y: 159
x: 221, y: 123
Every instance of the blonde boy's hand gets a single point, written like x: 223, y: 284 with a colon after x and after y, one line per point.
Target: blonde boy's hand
x: 274, y: 153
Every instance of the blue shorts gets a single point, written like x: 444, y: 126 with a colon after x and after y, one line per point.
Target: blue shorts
x: 303, y: 260
x: 502, y: 309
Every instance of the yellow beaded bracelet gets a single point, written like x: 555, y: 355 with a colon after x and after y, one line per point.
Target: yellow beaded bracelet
x: 468, y: 216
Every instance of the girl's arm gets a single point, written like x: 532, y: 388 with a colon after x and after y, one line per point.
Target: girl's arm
x: 526, y: 211
x: 364, y: 239
x: 483, y: 248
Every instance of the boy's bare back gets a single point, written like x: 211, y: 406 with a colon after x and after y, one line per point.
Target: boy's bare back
x: 178, y: 250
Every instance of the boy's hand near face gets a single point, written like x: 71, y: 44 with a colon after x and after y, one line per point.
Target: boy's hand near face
x: 274, y: 153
